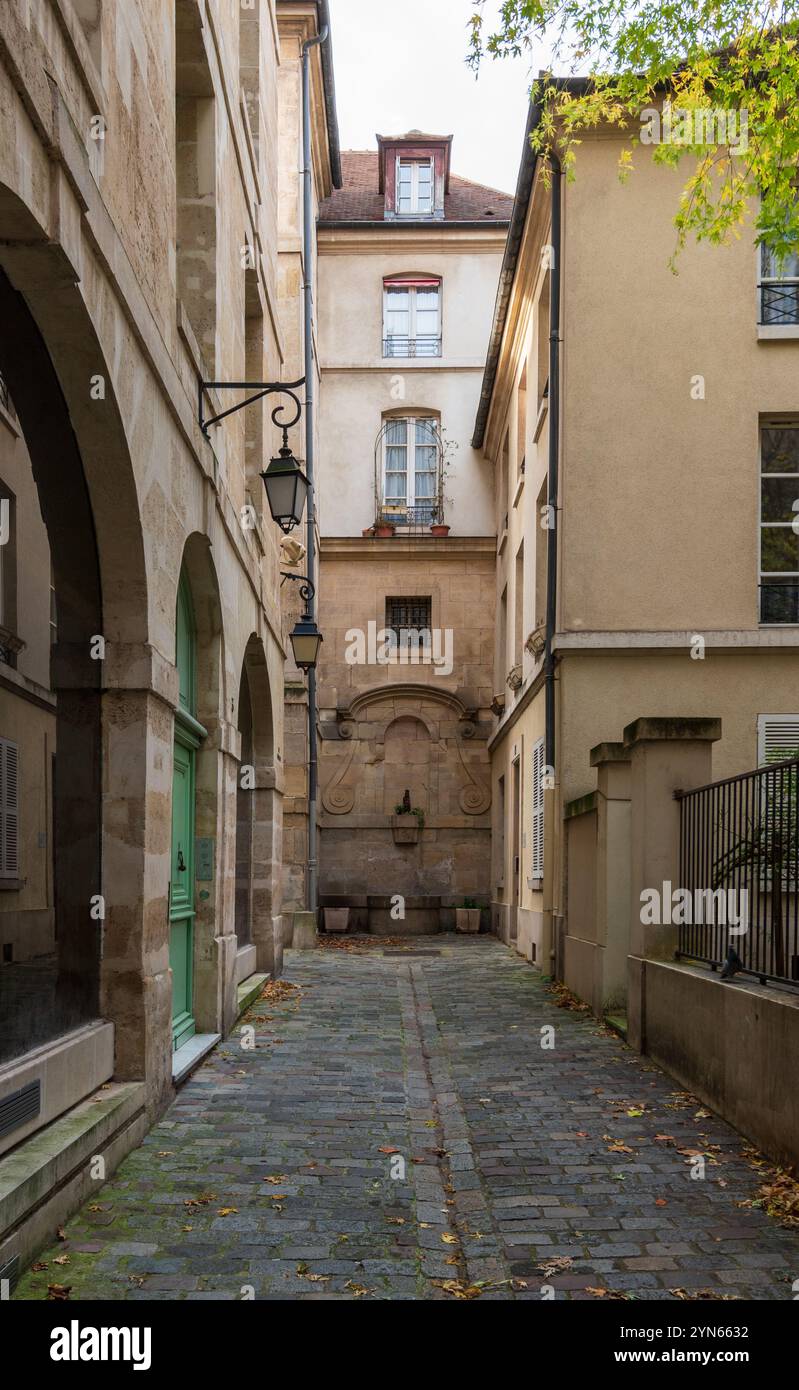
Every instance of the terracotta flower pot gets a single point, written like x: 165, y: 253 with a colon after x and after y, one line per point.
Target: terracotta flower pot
x: 383, y: 531
x: 337, y: 919
x: 467, y: 919
x: 439, y: 529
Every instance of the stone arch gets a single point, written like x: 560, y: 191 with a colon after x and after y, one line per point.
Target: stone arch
x: 258, y: 822
x: 105, y: 841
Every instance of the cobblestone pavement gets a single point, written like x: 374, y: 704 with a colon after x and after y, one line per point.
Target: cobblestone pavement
x: 525, y: 1165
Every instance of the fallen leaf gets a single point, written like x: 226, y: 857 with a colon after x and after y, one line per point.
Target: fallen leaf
x: 457, y: 1289
x: 283, y: 1177
x: 358, y: 1289
x: 396, y: 1220
x: 661, y: 1202
x: 387, y: 1149
x: 449, y: 1239
x: 61, y: 1233
x: 59, y: 1291
x: 40, y: 1265
x: 227, y: 1211
x: 61, y: 1260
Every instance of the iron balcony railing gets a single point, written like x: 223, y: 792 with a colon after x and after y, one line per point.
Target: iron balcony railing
x: 779, y: 302
x: 739, y: 861
x: 426, y: 345
x: 779, y: 603
x: 417, y: 519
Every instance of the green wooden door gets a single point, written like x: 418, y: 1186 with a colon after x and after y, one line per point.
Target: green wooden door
x: 181, y: 887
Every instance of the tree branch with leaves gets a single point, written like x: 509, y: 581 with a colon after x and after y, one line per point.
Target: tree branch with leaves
x: 700, y: 57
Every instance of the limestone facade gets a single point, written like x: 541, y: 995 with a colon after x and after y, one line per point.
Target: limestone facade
x: 141, y: 173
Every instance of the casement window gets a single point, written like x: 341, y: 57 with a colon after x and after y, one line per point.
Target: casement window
x: 414, y: 187
x: 410, y: 469
x: 777, y: 738
x: 405, y: 615
x: 779, y: 509
x: 537, y: 836
x: 412, y: 317
x: 9, y: 813
x: 779, y: 288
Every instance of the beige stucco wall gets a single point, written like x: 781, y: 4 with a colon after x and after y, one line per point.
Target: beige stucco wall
x: 359, y: 385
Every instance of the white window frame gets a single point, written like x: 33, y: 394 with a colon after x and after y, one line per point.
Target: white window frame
x: 411, y: 421
x: 416, y: 165
x: 537, y: 829
x: 412, y: 336
x: 790, y: 327
x: 9, y: 809
x: 772, y: 525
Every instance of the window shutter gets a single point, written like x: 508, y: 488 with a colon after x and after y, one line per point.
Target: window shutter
x: 777, y: 738
x: 9, y: 815
x: 538, y: 810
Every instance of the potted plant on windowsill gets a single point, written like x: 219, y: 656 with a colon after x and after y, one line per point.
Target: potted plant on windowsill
x: 467, y: 918
x: 406, y: 825
x: 439, y: 528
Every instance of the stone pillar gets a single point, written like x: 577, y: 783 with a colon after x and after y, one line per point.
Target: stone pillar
x: 136, y: 985
x: 612, y: 896
x: 666, y: 755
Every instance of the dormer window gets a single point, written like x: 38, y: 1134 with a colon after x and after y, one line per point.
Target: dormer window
x: 413, y: 175
x: 414, y: 187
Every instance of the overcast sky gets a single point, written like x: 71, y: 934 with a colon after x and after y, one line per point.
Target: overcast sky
x: 400, y: 65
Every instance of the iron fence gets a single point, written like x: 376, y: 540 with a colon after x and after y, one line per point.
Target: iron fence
x: 739, y: 861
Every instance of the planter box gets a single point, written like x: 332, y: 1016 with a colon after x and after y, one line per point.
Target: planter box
x: 467, y: 919
x: 405, y: 829
x: 337, y: 919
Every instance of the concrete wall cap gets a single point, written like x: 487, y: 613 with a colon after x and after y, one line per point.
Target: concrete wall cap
x: 647, y: 730
x: 609, y: 753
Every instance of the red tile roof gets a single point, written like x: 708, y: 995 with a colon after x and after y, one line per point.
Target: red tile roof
x: 359, y: 200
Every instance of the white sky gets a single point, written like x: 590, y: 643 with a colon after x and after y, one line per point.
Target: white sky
x: 400, y: 65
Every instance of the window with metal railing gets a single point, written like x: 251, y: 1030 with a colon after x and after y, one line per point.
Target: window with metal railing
x: 779, y: 527
x: 778, y: 290
x: 412, y: 317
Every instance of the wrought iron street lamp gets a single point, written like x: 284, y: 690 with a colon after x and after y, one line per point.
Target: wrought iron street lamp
x: 286, y: 488
x: 285, y: 483
x: 305, y: 637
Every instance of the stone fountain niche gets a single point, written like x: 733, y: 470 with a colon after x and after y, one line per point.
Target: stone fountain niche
x: 391, y: 748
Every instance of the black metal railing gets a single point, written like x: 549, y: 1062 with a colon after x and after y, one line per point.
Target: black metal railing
x: 779, y: 603
x: 739, y: 861
x: 426, y: 345
x: 415, y: 520
x: 779, y: 302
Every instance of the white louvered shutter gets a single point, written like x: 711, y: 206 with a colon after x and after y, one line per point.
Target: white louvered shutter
x: 538, y: 810
x: 777, y: 738
x: 9, y: 814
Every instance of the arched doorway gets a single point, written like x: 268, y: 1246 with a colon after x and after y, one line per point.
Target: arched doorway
x: 189, y: 734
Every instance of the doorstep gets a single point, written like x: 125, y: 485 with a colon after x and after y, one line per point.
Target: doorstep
x: 248, y: 991
x: 191, y: 1054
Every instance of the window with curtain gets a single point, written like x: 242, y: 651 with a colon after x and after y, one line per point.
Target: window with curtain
x: 410, y: 468
x: 412, y: 318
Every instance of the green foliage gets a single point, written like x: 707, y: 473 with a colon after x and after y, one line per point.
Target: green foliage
x: 732, y: 56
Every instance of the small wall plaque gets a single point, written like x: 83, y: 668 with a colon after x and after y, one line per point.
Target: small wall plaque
x: 204, y: 859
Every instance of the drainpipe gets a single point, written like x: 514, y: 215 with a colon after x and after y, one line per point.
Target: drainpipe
x: 552, y: 501
x: 310, y: 396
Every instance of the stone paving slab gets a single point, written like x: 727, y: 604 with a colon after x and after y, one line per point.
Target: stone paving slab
x: 404, y: 1122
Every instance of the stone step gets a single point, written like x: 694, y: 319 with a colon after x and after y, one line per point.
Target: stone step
x: 249, y: 990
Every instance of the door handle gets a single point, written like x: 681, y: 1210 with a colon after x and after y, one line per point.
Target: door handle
x: 181, y: 862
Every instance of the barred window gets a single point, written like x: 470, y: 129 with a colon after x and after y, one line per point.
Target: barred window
x: 409, y: 614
